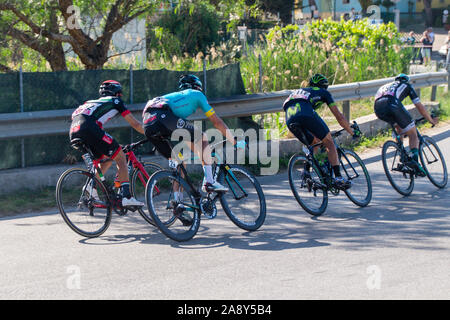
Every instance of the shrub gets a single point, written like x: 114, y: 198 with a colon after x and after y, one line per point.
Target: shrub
x: 345, y: 51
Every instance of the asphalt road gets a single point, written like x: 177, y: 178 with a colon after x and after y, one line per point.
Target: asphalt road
x: 396, y: 248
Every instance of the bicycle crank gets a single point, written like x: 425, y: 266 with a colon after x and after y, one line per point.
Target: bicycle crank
x: 208, y: 208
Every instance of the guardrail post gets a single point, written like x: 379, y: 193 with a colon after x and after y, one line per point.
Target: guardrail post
x: 433, y: 93
x: 418, y: 92
x: 260, y: 72
x: 22, y: 141
x: 131, y: 99
x: 204, y: 77
x: 346, y: 110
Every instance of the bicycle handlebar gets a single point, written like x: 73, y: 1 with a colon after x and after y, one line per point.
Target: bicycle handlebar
x: 130, y: 147
x: 336, y: 134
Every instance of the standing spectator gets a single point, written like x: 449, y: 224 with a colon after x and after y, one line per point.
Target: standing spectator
x: 426, y: 49
x: 447, y: 60
x: 445, y: 20
x: 353, y: 16
x: 431, y: 34
x: 410, y: 40
x: 313, y: 10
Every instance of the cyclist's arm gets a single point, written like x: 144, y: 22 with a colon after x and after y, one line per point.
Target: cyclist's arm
x: 420, y: 107
x: 134, y: 123
x: 423, y: 111
x: 337, y: 114
x: 340, y: 118
x: 222, y: 127
x: 214, y: 118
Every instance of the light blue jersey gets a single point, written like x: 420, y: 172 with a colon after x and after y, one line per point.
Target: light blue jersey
x: 183, y: 103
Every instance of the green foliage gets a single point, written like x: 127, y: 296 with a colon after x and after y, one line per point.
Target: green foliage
x: 191, y: 27
x: 215, y: 56
x: 344, y: 51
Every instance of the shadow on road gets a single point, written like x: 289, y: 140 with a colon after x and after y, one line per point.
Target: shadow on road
x: 417, y: 221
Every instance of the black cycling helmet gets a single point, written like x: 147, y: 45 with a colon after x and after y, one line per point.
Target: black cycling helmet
x: 189, y: 81
x: 110, y: 88
x: 402, y: 77
x: 318, y: 80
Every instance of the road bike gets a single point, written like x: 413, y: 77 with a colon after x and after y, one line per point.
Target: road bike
x: 176, y: 205
x: 86, y: 199
x: 311, y: 181
x: 401, y: 170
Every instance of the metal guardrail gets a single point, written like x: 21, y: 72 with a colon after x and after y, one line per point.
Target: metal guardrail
x: 54, y: 122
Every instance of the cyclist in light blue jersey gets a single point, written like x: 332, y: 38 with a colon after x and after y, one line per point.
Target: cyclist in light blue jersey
x: 163, y: 115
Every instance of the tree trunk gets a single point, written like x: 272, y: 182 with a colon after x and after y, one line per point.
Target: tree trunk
x: 428, y: 13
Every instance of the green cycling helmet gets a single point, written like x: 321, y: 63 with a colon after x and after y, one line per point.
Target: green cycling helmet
x: 402, y: 77
x: 319, y: 80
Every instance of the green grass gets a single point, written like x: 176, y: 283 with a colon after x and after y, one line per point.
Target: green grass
x: 28, y: 201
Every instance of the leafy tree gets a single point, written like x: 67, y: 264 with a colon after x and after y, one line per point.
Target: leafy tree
x: 195, y: 27
x: 45, y: 25
x: 284, y: 7
x: 428, y: 12
x: 385, y: 3
x: 365, y: 4
x: 86, y: 27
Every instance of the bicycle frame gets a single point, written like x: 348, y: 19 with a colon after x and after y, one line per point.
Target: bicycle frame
x: 404, y: 154
x: 222, y: 166
x: 310, y: 155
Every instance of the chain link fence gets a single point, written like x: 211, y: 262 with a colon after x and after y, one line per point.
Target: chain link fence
x: 39, y: 91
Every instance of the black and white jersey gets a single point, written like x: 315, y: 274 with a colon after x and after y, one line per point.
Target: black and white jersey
x: 399, y: 91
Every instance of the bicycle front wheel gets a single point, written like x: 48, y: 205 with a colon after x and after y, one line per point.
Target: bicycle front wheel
x: 433, y: 162
x: 307, y: 186
x: 83, y: 202
x: 137, y: 186
x: 360, y: 192
x: 399, y: 175
x: 177, y: 217
x: 244, y: 203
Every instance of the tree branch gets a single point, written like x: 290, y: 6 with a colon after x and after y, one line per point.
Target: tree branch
x: 6, y: 69
x: 35, y: 28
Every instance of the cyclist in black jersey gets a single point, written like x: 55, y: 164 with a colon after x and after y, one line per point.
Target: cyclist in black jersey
x: 87, y: 125
x: 304, y: 122
x: 388, y: 107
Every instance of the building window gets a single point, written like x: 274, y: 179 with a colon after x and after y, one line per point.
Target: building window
x: 345, y: 1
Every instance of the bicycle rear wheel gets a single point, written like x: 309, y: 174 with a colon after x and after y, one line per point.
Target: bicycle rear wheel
x: 399, y: 175
x: 181, y: 224
x: 244, y: 203
x: 307, y: 187
x: 83, y: 202
x: 433, y: 162
x: 360, y: 192
x: 137, y: 187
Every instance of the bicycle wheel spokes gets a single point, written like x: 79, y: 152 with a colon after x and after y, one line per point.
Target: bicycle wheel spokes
x: 399, y: 175
x: 307, y: 186
x: 83, y: 203
x: 360, y: 192
x: 176, y: 218
x: 137, y: 186
x: 244, y: 203
x: 434, y: 163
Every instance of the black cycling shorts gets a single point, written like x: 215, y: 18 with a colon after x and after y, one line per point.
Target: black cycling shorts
x: 392, y: 111
x: 162, y: 123
x: 305, y: 127
x: 100, y: 142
